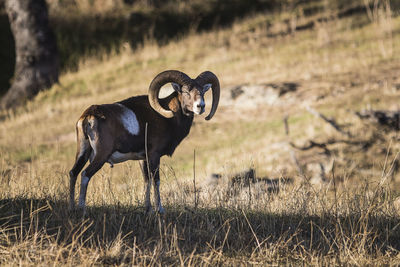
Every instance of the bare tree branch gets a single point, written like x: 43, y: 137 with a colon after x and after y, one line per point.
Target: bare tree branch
x: 332, y: 122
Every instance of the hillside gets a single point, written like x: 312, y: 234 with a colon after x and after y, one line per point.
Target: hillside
x: 271, y: 66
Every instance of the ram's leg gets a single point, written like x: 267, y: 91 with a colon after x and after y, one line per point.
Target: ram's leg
x: 102, y: 149
x: 154, y: 178
x: 147, y: 183
x: 154, y: 168
x: 82, y: 156
x: 73, y: 174
x: 93, y: 167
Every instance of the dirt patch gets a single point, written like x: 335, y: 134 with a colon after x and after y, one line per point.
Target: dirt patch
x: 257, y: 95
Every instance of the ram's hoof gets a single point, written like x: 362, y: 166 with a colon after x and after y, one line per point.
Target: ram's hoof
x: 161, y: 211
x: 148, y: 210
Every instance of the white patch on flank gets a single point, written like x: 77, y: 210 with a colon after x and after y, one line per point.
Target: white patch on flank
x: 118, y: 157
x: 129, y: 120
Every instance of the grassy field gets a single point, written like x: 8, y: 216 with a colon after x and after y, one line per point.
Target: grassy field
x: 335, y: 64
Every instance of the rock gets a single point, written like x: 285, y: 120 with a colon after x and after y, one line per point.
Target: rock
x: 245, y: 96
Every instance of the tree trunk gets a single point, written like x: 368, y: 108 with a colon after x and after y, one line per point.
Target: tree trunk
x: 36, y: 66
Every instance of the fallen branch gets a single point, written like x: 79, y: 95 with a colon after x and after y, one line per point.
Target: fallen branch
x: 311, y: 144
x: 332, y: 122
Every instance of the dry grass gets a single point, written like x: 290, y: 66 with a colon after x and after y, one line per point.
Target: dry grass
x: 339, y: 67
x: 299, y: 225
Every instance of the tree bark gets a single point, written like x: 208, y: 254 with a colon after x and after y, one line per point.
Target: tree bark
x: 36, y: 66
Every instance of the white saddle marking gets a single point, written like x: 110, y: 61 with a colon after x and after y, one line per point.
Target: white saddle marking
x: 129, y: 120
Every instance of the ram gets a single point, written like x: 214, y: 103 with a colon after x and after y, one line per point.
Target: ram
x: 141, y: 128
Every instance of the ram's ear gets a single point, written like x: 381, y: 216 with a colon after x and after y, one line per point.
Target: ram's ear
x: 177, y: 87
x: 206, y: 87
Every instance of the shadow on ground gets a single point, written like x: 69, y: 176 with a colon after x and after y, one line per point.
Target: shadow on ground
x: 231, y: 231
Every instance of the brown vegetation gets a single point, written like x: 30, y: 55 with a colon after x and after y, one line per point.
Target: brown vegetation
x: 338, y: 68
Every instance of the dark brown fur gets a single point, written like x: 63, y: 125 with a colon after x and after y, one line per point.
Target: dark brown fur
x: 163, y: 135
x: 110, y: 133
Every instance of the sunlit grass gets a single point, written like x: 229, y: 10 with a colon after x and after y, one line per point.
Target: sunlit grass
x: 339, y: 68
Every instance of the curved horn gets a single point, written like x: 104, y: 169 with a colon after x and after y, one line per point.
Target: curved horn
x: 161, y: 79
x: 209, y: 77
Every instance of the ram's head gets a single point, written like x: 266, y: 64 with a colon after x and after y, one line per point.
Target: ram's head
x: 191, y: 92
